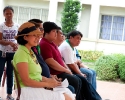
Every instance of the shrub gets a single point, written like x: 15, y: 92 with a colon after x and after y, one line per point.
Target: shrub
x: 121, y: 68
x: 106, y: 68
x: 70, y: 19
x: 90, y: 55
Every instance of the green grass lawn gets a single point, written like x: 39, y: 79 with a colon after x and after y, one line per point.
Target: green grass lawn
x: 89, y: 63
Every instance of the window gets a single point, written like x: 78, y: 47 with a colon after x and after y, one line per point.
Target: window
x: 112, y: 28
x: 23, y: 14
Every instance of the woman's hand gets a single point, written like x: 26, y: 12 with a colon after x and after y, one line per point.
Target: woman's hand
x: 52, y: 83
x: 14, y: 46
x: 68, y: 71
x: 58, y: 79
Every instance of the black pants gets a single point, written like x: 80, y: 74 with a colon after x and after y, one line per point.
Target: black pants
x: 87, y: 90
x: 9, y: 70
x: 73, y: 81
x: 83, y: 89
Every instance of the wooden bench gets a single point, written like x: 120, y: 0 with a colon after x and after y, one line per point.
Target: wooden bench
x: 17, y: 82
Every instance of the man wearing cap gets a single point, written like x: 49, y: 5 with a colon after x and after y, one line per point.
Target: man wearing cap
x: 52, y: 57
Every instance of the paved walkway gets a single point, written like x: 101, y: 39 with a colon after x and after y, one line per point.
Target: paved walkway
x: 111, y: 90
x: 107, y: 90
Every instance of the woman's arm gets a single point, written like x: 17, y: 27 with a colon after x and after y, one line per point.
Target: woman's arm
x: 24, y: 75
x: 5, y: 43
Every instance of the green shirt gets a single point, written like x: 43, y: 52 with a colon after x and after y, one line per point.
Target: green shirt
x: 23, y: 55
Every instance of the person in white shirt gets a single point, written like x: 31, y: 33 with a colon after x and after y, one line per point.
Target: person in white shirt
x: 8, y: 46
x: 68, y: 52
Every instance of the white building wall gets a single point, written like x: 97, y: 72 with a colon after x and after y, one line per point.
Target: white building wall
x: 85, y: 20
x: 22, y: 3
x: 28, y: 3
x: 52, y: 10
x: 89, y: 23
x: 59, y: 13
x: 1, y: 11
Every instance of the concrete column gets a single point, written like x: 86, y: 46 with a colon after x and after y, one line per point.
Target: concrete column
x: 79, y: 16
x: 52, y: 10
x: 94, y: 21
x: 1, y: 11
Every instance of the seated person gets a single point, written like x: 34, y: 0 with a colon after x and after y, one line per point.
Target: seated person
x: 33, y: 85
x: 68, y: 52
x: 52, y: 56
x: 36, y: 50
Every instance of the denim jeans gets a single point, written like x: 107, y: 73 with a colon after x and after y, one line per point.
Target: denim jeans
x: 71, y: 88
x: 9, y: 70
x: 91, y: 76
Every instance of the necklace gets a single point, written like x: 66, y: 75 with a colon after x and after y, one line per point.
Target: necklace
x: 33, y: 57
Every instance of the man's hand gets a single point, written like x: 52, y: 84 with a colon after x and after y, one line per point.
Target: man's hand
x: 84, y: 75
x: 68, y: 71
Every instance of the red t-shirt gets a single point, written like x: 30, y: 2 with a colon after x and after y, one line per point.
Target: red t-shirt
x: 50, y: 50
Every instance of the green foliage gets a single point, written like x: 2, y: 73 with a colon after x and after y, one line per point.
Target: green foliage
x: 118, y: 56
x: 106, y: 67
x: 122, y: 68
x: 90, y: 55
x: 70, y: 17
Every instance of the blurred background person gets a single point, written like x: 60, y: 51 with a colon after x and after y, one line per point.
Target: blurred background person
x: 8, y: 46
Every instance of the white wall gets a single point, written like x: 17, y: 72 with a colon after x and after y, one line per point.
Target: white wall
x: 1, y: 11
x: 24, y: 3
x: 87, y: 20
x: 86, y: 45
x: 102, y: 45
x: 112, y: 10
x: 84, y: 20
x: 111, y: 48
x: 59, y: 15
x: 28, y: 3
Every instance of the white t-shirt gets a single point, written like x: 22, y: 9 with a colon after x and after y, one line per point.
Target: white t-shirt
x: 67, y: 53
x: 8, y: 35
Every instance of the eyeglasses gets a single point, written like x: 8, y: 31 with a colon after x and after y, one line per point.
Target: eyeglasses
x: 37, y: 35
x: 41, y: 29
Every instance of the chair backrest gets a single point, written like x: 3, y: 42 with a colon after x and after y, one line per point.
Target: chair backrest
x: 17, y: 82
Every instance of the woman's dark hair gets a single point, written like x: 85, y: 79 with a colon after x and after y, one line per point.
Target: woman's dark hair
x: 74, y: 33
x: 35, y: 20
x: 37, y: 25
x: 21, y: 41
x: 8, y: 7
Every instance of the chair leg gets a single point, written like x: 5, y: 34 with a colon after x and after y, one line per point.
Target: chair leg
x: 4, y: 77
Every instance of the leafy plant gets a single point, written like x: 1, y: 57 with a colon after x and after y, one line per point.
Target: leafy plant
x: 106, y: 67
x: 122, y: 68
x: 90, y: 55
x: 70, y: 13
